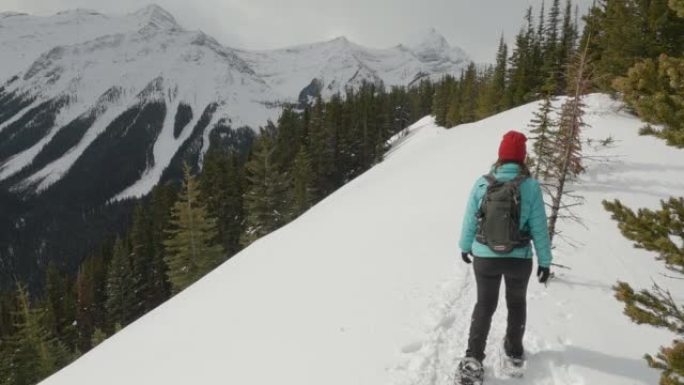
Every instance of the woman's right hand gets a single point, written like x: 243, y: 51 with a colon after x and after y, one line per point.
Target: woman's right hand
x: 543, y: 274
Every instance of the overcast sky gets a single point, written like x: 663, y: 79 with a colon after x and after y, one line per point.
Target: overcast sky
x: 474, y: 25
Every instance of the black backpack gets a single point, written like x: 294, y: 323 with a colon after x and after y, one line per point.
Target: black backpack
x: 499, y: 216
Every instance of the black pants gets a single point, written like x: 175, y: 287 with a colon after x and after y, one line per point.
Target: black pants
x: 488, y: 272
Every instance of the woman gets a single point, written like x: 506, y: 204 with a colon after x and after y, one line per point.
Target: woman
x: 515, y: 265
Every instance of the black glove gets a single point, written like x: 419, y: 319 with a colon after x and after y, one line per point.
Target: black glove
x: 543, y: 274
x: 465, y: 257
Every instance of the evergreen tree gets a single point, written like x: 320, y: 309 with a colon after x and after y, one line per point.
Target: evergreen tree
x: 543, y: 130
x: 522, y: 74
x: 322, y: 143
x: 98, y: 337
x: 468, y: 91
x: 567, y: 163
x: 191, y: 249
x: 266, y: 198
x: 222, y: 187
x: 499, y: 77
x: 442, y: 101
x: 303, y: 187
x: 566, y: 45
x: 122, y: 299
x: 540, y: 43
x: 454, y: 107
x: 288, y: 138
x: 162, y: 199
x: 628, y: 31
x: 551, y: 50
x: 654, y: 231
x: 655, y: 90
x: 35, y: 352
x: 60, y: 305
x: 141, y: 256
x: 91, y: 297
x: 486, y: 104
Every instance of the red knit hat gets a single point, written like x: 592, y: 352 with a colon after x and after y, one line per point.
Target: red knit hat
x: 512, y: 148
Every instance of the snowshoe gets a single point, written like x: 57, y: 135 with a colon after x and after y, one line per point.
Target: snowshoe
x: 511, y: 366
x: 469, y: 372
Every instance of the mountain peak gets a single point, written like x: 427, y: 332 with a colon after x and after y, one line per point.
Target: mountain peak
x: 432, y: 46
x: 155, y: 16
x: 430, y: 38
x: 342, y: 40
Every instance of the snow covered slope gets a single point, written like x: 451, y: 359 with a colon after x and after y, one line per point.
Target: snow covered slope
x: 368, y: 287
x: 78, y: 85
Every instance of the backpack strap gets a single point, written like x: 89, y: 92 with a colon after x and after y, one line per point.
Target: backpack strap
x: 518, y: 180
x: 490, y: 178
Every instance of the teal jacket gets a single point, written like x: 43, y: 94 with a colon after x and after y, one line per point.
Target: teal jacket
x: 532, y: 218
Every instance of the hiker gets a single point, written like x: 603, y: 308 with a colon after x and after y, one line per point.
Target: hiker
x: 500, y: 250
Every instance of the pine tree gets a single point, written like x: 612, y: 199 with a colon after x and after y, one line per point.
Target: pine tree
x: 552, y: 66
x: 499, y: 78
x: 141, y: 258
x: 621, y: 35
x: 122, y: 299
x: 91, y: 297
x: 486, y: 104
x: 162, y: 199
x: 454, y: 109
x: 543, y: 130
x: 521, y: 73
x: 322, y: 143
x: 35, y: 352
x: 222, y: 187
x: 469, y: 90
x: 192, y: 249
x: 303, y: 188
x: 441, y: 101
x: 98, y: 337
x: 566, y: 45
x: 655, y: 231
x: 567, y: 163
x: 655, y: 90
x: 266, y: 198
x: 60, y: 306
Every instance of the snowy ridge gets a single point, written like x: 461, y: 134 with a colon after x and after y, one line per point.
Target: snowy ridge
x: 59, y: 66
x: 368, y: 287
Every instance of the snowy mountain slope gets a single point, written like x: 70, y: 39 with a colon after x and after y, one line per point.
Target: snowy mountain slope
x: 25, y: 37
x: 368, y: 287
x: 339, y: 63
x: 95, y: 83
x: 74, y: 79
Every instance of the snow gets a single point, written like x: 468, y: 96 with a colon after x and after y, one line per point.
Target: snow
x: 339, y: 63
x: 80, y: 54
x: 368, y: 287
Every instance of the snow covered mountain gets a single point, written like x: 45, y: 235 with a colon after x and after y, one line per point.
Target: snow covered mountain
x: 368, y: 287
x: 329, y: 67
x: 81, y: 89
